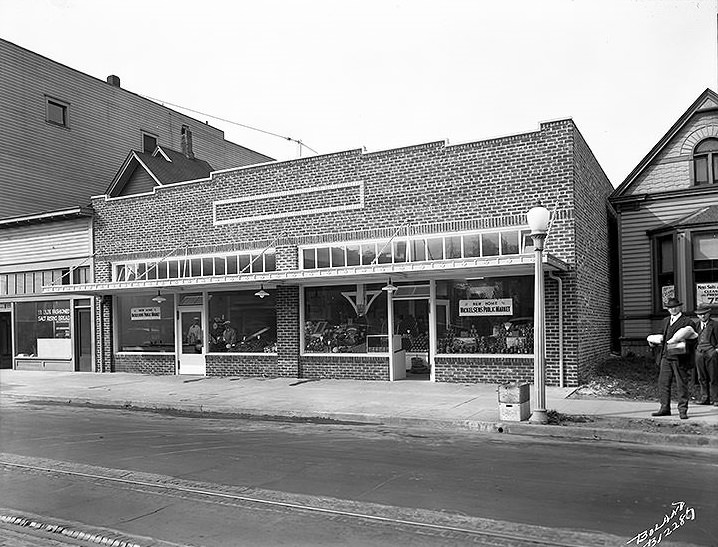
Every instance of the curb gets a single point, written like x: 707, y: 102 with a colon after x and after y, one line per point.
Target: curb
x: 68, y: 531
x: 631, y: 436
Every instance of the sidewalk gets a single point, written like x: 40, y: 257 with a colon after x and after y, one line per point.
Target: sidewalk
x: 409, y: 403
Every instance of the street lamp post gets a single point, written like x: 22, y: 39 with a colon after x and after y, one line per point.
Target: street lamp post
x: 538, y: 218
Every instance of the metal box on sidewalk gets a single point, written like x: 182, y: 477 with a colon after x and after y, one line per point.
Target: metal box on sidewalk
x: 514, y: 402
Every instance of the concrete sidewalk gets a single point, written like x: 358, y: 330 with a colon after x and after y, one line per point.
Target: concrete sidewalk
x: 409, y: 403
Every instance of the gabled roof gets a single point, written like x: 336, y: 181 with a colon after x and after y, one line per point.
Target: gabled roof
x: 705, y: 216
x: 164, y: 166
x: 707, y: 100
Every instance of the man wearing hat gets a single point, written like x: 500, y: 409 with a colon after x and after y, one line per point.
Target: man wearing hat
x: 674, y: 366
x: 706, y: 356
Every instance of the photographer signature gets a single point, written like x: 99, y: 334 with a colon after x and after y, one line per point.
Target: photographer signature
x: 652, y: 536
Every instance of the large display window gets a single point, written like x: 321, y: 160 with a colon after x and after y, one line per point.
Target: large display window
x: 144, y: 325
x: 487, y: 316
x: 242, y: 322
x: 345, y: 319
x: 42, y: 329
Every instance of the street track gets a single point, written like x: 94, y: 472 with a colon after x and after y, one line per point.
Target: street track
x: 429, y: 524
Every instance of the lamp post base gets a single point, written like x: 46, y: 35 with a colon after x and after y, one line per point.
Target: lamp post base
x: 538, y: 416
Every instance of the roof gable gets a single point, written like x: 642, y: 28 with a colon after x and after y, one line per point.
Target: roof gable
x: 142, y: 172
x: 707, y: 101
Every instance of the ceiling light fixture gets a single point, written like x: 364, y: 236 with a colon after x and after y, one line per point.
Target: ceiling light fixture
x: 159, y: 298
x: 261, y: 293
x: 389, y: 287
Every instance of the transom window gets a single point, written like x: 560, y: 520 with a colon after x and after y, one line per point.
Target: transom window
x: 179, y: 267
x: 396, y: 251
x: 705, y: 162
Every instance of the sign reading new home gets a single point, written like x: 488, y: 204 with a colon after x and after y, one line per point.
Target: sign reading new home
x: 494, y: 306
x: 137, y: 314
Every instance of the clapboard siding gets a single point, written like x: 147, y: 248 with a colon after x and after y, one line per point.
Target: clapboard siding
x: 636, y: 255
x: 44, y: 242
x: 105, y: 123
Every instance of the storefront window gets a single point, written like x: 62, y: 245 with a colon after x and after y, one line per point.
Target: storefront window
x: 241, y: 322
x: 705, y: 267
x: 144, y: 325
x: 345, y: 319
x: 42, y: 329
x: 491, y: 315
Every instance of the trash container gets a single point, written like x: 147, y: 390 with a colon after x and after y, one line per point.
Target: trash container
x: 514, y: 402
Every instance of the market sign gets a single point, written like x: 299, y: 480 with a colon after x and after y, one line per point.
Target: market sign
x: 707, y: 293
x: 493, y: 306
x: 56, y: 315
x: 143, y: 314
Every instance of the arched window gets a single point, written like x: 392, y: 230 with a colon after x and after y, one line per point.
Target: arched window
x: 705, y: 162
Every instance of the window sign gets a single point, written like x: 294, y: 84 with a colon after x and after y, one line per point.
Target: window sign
x: 140, y: 314
x: 667, y: 292
x: 42, y: 329
x: 495, y: 306
x: 143, y: 326
x: 487, y: 316
x: 61, y: 315
x: 706, y: 293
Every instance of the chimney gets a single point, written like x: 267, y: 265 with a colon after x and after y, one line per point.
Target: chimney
x: 113, y: 80
x: 187, y: 142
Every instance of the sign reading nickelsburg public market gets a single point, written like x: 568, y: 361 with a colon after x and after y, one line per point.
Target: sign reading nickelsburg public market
x: 137, y: 314
x: 493, y: 306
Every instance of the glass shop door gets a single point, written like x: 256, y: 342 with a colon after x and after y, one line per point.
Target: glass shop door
x: 191, y: 341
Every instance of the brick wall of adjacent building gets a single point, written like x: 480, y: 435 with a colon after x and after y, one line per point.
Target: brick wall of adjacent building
x: 591, y: 299
x: 429, y: 188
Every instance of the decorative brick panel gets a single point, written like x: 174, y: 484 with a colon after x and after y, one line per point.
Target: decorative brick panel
x: 290, y: 203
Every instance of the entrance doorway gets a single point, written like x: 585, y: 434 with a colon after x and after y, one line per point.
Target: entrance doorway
x: 83, y: 340
x: 411, y: 322
x: 5, y: 340
x: 191, y: 341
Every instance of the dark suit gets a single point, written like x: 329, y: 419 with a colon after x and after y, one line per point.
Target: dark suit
x: 675, y: 366
x: 707, y: 360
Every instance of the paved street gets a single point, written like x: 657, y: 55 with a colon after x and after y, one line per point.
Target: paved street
x: 516, y: 481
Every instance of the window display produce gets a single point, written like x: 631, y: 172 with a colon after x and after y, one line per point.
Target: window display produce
x: 488, y: 316
x: 242, y: 323
x: 342, y: 319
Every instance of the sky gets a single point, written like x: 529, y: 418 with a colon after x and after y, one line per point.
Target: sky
x: 379, y: 74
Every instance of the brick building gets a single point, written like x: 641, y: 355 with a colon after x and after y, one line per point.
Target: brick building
x: 668, y: 223
x: 407, y: 262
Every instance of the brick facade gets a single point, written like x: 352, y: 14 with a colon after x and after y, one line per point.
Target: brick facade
x: 349, y: 196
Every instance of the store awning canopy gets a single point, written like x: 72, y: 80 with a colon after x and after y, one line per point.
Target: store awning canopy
x: 375, y: 273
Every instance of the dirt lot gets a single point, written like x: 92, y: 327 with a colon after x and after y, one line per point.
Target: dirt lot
x: 635, y: 379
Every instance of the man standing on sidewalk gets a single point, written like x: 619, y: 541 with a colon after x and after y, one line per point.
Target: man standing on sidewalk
x: 673, y: 364
x: 706, y: 356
